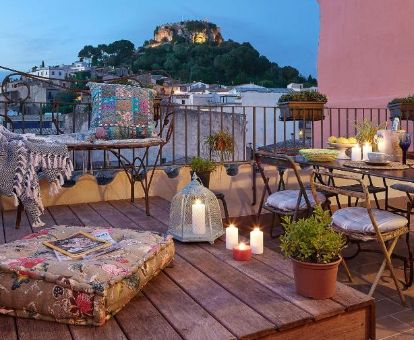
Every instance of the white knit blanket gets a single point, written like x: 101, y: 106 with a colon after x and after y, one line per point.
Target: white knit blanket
x: 22, y: 160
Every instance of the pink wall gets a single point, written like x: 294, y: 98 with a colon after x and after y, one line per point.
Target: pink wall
x: 366, y: 51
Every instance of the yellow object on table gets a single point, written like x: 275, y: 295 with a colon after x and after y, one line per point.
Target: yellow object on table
x: 319, y: 155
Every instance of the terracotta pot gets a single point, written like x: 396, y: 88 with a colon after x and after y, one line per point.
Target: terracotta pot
x: 315, y: 280
x: 204, y: 177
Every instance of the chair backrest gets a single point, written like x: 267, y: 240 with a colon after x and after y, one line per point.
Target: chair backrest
x: 283, y: 162
x: 364, y: 195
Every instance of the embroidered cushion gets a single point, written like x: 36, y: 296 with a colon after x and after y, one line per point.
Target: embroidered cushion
x: 121, y: 111
x: 287, y: 199
x: 35, y: 284
x: 356, y: 219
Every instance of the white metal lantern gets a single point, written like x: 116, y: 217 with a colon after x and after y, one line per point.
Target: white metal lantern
x: 195, y: 214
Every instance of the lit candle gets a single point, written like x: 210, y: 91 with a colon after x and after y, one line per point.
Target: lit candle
x: 256, y: 241
x: 356, y: 153
x: 242, y: 252
x: 199, y: 217
x: 381, y: 144
x: 365, y: 150
x: 232, y: 236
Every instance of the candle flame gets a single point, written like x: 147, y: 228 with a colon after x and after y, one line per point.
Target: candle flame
x: 197, y: 201
x: 256, y: 229
x: 232, y: 225
x: 242, y: 246
x: 367, y: 144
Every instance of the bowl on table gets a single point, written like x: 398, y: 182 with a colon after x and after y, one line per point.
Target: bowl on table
x: 319, y: 155
x: 377, y: 157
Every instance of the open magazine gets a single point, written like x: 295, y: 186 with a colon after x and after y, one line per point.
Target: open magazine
x: 83, y: 245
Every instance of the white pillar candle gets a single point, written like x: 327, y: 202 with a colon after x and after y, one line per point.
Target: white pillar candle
x: 365, y: 150
x: 232, y: 236
x: 381, y: 145
x: 199, y: 217
x: 356, y: 153
x: 256, y: 241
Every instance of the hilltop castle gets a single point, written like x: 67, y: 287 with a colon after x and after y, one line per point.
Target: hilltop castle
x: 193, y: 31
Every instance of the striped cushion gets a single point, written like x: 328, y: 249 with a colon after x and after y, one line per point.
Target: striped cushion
x: 356, y: 219
x: 287, y: 199
x: 406, y: 187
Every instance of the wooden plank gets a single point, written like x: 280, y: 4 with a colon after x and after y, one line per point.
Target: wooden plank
x: 190, y: 320
x: 282, y: 313
x: 132, y: 322
x: 63, y: 215
x: 113, y: 216
x: 139, y: 319
x: 11, y: 233
x: 111, y: 330
x: 347, y: 296
x: 354, y: 325
x: 239, y: 318
x: 42, y: 330
x: 275, y: 281
x: 139, y: 217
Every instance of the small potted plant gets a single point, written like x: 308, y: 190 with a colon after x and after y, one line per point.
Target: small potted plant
x: 314, y: 248
x: 220, y: 145
x: 367, y: 130
x: 402, y: 108
x: 302, y: 105
x: 203, y: 168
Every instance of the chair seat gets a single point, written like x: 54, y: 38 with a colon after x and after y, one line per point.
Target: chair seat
x: 405, y: 187
x: 356, y: 219
x: 287, y: 199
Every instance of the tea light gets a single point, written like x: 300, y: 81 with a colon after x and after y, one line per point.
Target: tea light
x: 365, y: 150
x: 198, y: 218
x: 256, y: 241
x: 242, y: 252
x: 232, y: 236
x: 356, y: 153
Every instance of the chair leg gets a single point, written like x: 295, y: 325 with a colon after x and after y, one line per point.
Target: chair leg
x: 273, y: 226
x: 409, y: 277
x: 387, y: 262
x: 348, y: 273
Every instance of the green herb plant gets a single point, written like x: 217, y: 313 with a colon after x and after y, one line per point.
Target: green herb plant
x: 405, y: 100
x: 221, y: 145
x: 199, y: 164
x: 303, y: 96
x: 367, y: 130
x: 311, y: 239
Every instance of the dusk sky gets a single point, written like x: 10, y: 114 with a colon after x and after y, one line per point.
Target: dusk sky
x: 285, y: 31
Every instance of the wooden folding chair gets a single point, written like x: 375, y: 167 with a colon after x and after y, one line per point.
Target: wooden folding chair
x: 284, y: 202
x: 363, y: 224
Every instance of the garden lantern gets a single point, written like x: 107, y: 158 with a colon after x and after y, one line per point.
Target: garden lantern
x: 195, y: 214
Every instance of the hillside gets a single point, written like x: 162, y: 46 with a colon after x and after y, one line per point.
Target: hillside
x: 180, y: 50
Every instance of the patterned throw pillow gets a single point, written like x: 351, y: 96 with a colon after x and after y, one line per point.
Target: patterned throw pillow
x: 121, y: 111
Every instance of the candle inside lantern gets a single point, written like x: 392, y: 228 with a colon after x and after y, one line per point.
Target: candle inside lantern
x: 232, y: 236
x: 199, y: 218
x: 356, y: 153
x: 365, y: 150
x: 256, y: 241
x: 242, y: 252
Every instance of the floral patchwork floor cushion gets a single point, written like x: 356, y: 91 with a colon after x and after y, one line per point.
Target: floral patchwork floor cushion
x: 121, y: 111
x: 88, y: 291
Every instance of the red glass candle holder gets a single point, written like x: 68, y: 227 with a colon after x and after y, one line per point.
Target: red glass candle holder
x: 242, y: 252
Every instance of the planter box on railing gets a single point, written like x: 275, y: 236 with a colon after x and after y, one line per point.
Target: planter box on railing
x: 301, y: 111
x: 402, y: 110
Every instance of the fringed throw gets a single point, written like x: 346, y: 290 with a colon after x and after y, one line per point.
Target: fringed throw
x: 22, y: 160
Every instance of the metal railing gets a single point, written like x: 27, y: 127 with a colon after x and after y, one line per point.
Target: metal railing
x: 251, y: 127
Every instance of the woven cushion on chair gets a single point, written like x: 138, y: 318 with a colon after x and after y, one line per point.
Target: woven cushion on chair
x: 356, y: 219
x: 406, y: 187
x: 287, y: 199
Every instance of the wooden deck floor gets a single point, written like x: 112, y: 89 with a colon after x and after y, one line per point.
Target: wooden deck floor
x: 213, y: 294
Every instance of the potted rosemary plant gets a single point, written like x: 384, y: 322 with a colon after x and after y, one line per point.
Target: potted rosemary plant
x: 314, y: 248
x: 220, y: 146
x: 203, y: 168
x: 402, y: 108
x: 302, y: 105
